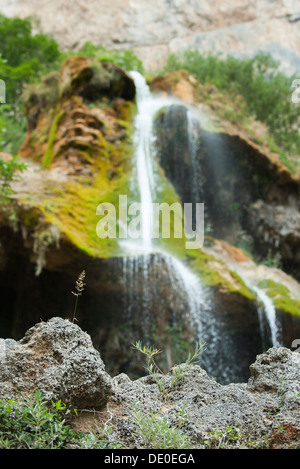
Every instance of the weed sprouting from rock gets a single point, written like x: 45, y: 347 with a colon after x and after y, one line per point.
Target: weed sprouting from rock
x: 165, y: 386
x: 79, y: 287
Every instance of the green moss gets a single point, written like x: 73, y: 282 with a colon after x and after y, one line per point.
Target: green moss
x: 280, y: 295
x: 210, y: 272
x: 48, y: 157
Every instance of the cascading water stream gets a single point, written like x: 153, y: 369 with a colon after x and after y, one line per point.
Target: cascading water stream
x: 142, y: 255
x: 270, y: 313
x: 267, y: 310
x: 152, y: 276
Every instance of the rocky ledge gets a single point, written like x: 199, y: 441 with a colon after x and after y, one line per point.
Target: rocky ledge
x: 59, y: 359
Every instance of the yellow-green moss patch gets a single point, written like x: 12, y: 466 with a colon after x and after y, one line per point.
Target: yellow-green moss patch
x: 215, y: 273
x: 281, y: 297
x: 48, y: 157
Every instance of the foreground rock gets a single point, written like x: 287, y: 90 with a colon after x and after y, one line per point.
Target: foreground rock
x: 59, y: 358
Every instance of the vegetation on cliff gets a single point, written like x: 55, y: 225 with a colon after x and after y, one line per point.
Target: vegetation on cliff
x: 266, y: 92
x: 29, y: 58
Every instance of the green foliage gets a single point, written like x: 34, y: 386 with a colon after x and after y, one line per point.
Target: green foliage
x: 33, y: 424
x: 224, y: 439
x: 272, y: 260
x: 24, y: 57
x: 155, y: 432
x: 8, y: 170
x: 178, y: 372
x: 267, y: 92
x: 100, y: 438
x: 12, y: 128
x: 125, y: 59
x: 30, y: 424
x: 23, y: 54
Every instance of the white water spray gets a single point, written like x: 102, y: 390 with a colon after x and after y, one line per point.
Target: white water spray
x: 270, y: 313
x: 181, y: 278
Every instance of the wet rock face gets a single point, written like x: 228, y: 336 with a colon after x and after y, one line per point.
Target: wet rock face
x: 93, y: 79
x: 177, y: 144
x: 59, y: 358
x: 278, y: 226
x: 63, y: 120
x: 248, y: 195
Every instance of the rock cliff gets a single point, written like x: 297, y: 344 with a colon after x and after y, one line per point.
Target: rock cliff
x: 59, y: 359
x: 79, y: 151
x: 154, y: 30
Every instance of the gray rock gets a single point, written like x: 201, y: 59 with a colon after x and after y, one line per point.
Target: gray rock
x: 263, y: 413
x: 161, y: 27
x: 277, y: 370
x: 57, y: 358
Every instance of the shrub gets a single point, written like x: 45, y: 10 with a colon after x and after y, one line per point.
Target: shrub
x: 126, y: 59
x: 30, y: 424
x: 267, y: 92
x: 155, y: 432
x: 24, y: 57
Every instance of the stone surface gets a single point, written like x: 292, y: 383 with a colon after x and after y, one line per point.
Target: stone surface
x: 263, y: 412
x: 59, y: 359
x: 154, y: 30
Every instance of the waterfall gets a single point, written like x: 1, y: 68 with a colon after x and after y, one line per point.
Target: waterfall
x: 193, y: 133
x: 270, y: 313
x: 266, y: 310
x: 141, y: 257
x: 157, y: 281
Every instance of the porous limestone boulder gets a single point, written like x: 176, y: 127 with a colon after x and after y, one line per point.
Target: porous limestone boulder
x: 57, y: 358
x: 263, y: 413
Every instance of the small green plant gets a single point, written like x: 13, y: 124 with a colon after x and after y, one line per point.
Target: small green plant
x: 79, y: 287
x: 100, y: 438
x: 31, y: 424
x: 156, y: 432
x: 164, y: 385
x: 225, y: 438
x: 273, y: 261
